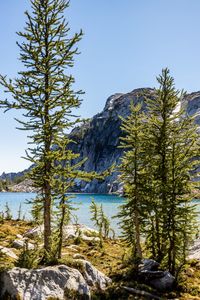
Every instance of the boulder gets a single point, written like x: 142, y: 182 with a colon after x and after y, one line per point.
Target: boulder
x: 56, y: 282
x: 74, y: 230
x: 19, y: 236
x: 19, y: 244
x: 94, y: 277
x: 148, y: 265
x: 41, y: 284
x: 34, y: 232
x: 71, y: 248
x: 8, y: 252
x: 70, y: 232
x: 162, y: 281
x: 78, y: 256
x: 86, y: 238
x: 86, y: 234
x: 194, y: 252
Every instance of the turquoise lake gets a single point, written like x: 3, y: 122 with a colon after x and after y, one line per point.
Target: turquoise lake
x: 81, y: 201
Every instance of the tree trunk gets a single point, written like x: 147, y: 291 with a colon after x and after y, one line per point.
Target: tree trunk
x: 47, y: 149
x: 60, y: 236
x: 47, y: 218
x: 138, y: 250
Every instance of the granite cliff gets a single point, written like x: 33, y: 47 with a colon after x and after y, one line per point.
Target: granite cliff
x: 98, y: 138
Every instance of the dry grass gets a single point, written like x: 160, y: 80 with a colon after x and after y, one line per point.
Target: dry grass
x: 190, y: 281
x: 9, y: 230
x: 111, y: 260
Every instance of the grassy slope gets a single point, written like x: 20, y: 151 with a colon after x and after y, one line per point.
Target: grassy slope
x: 108, y: 260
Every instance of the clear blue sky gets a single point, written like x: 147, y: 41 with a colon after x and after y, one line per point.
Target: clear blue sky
x: 126, y: 44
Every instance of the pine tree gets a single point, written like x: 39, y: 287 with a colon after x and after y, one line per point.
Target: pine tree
x: 157, y: 171
x: 172, y: 146
x: 44, y: 93
x: 101, y: 221
x: 64, y: 176
x: 181, y: 212
x: 8, y: 214
x: 132, y: 170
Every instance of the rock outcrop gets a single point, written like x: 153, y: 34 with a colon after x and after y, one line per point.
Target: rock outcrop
x: 194, y: 252
x: 21, y: 243
x: 149, y: 273
x: 98, y: 139
x: 57, y: 282
x: 8, y: 252
x: 25, y: 187
x: 71, y: 231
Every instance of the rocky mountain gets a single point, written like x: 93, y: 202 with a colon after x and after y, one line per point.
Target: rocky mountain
x: 13, y: 175
x: 24, y: 186
x: 98, y: 139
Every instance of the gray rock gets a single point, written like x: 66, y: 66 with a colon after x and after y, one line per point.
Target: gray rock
x: 19, y: 244
x: 194, y: 252
x: 73, y: 230
x: 78, y: 256
x: 34, y: 232
x: 98, y: 140
x: 86, y: 234
x: 86, y: 238
x: 55, y: 282
x: 164, y: 282
x: 72, y: 248
x: 42, y: 284
x: 94, y: 277
x: 148, y: 265
x: 19, y: 236
x: 26, y: 186
x: 8, y: 252
x: 69, y: 231
x: 158, y: 279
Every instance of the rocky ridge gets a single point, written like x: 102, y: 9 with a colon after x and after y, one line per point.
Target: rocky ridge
x: 98, y: 138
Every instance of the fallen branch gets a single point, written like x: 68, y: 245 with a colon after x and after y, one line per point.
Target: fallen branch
x: 140, y: 293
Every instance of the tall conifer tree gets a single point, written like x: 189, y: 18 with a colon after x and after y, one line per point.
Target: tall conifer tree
x: 157, y: 171
x: 172, y: 146
x: 132, y: 170
x: 43, y: 91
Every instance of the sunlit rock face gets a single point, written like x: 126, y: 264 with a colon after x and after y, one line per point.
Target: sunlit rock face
x: 99, y: 138
x: 192, y: 104
x: 53, y: 282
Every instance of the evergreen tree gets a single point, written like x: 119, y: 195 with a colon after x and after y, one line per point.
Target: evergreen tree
x: 44, y: 92
x: 101, y: 221
x: 132, y: 170
x: 172, y: 146
x: 157, y: 171
x: 8, y: 214
x: 64, y: 176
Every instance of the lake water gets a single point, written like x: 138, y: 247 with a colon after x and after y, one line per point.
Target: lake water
x: 81, y: 201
